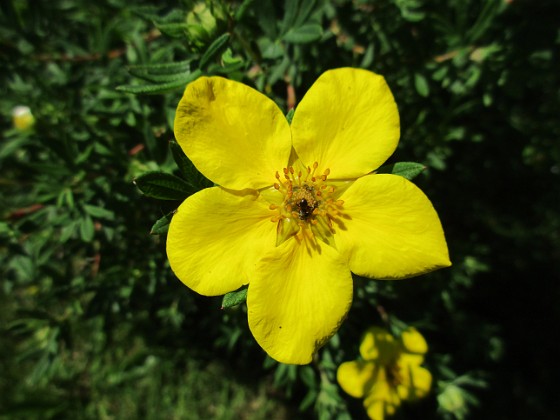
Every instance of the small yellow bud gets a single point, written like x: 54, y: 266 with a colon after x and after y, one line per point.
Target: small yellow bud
x: 22, y: 118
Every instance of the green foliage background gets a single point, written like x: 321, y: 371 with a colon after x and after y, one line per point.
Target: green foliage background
x: 93, y: 322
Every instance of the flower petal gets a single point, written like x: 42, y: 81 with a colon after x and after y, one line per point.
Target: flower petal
x: 234, y: 135
x: 298, y: 299
x: 216, y: 238
x: 391, y: 229
x: 416, y: 384
x: 375, y: 409
x: 348, y: 122
x: 357, y: 377
x: 413, y: 342
x: 384, y: 395
x: 410, y: 359
x: 378, y: 344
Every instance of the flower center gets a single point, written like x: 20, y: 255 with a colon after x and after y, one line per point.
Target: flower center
x: 393, y: 374
x: 309, y: 208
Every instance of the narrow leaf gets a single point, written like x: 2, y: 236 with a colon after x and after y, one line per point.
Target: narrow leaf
x: 189, y: 172
x: 159, y: 78
x: 227, y: 69
x: 307, y: 33
x: 182, y: 161
x: 162, y: 225
x: 173, y: 29
x: 163, y: 186
x: 240, y: 12
x: 408, y: 170
x: 162, y: 68
x: 87, y: 229
x: 234, y: 298
x: 160, y: 87
x: 304, y: 12
x: 213, y: 49
x: 290, y: 13
x: 290, y: 115
x: 99, y: 212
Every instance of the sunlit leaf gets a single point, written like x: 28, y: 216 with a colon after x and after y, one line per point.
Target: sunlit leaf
x: 408, y: 170
x: 234, y: 298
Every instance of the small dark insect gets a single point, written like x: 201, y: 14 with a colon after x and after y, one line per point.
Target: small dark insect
x: 305, y: 210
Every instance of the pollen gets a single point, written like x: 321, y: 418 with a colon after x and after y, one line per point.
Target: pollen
x: 308, y: 207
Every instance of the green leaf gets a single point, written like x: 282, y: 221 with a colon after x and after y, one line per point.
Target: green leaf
x: 307, y: 375
x: 290, y: 115
x: 408, y: 170
x: 213, y: 49
x: 87, y: 229
x: 306, y: 33
x: 163, y: 72
x: 173, y: 29
x: 304, y: 12
x: 240, y: 12
x: 99, y: 212
x: 421, y: 85
x: 160, y: 78
x: 158, y: 88
x: 226, y: 69
x: 290, y: 13
x: 309, y: 400
x: 163, y: 186
x: 23, y: 267
x: 161, y: 68
x: 182, y: 161
x: 162, y: 225
x: 189, y: 172
x: 234, y: 298
x: 16, y: 144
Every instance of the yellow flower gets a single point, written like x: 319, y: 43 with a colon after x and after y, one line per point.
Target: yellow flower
x: 298, y: 207
x: 389, y: 372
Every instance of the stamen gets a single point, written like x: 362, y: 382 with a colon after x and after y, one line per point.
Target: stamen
x: 309, y: 210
